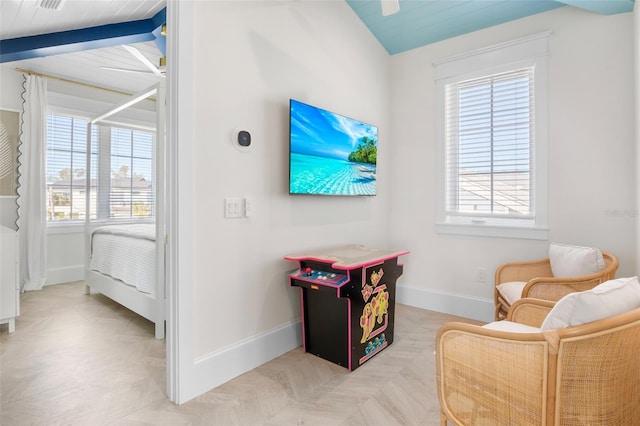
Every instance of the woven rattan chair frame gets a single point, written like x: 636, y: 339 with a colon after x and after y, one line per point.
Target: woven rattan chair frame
x: 541, y: 284
x: 589, y: 374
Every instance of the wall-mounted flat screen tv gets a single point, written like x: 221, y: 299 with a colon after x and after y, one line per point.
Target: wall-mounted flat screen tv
x: 330, y: 154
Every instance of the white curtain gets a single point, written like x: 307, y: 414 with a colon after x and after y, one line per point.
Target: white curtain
x: 32, y: 212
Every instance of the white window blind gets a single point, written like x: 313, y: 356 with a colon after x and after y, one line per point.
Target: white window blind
x: 489, y: 133
x: 131, y: 185
x: 66, y: 167
x: 122, y: 166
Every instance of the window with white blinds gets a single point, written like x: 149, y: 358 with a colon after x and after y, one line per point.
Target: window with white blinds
x: 131, y: 183
x: 489, y: 145
x: 491, y: 169
x: 122, y: 167
x: 66, y: 163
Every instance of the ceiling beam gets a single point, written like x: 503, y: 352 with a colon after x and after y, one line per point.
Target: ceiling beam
x: 160, y: 20
x: 42, y: 45
x: 604, y: 7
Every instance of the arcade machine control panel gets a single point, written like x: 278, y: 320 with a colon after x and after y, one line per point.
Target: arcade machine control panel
x: 321, y: 277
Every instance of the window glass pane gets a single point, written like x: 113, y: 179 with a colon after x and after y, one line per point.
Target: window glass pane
x: 65, y: 168
x: 131, y: 174
x: 489, y: 122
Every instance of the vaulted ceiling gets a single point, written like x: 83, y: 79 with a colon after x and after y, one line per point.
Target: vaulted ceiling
x: 83, y: 37
x: 422, y: 22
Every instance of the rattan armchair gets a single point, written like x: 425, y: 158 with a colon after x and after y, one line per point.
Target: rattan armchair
x: 583, y: 375
x: 541, y: 284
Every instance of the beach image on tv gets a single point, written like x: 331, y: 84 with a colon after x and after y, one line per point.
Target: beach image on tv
x: 330, y: 154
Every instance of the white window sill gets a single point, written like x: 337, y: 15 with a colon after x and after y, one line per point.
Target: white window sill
x: 80, y: 227
x: 65, y: 228
x: 499, y: 231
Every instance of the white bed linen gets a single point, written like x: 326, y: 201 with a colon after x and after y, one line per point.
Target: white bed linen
x: 126, y: 253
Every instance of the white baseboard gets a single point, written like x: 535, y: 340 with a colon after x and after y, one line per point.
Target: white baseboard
x: 476, y: 308
x: 220, y: 366
x: 216, y: 368
x: 65, y: 275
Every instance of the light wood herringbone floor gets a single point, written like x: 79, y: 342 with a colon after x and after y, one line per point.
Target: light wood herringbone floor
x: 85, y: 360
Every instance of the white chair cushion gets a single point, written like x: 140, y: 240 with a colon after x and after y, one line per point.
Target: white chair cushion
x: 574, y: 261
x: 510, y: 326
x: 610, y: 298
x: 511, y: 291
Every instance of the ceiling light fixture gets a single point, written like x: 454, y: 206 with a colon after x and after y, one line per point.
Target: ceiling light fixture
x: 389, y: 7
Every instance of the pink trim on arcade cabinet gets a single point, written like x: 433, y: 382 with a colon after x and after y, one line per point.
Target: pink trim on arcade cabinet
x: 349, y: 333
x: 304, y: 342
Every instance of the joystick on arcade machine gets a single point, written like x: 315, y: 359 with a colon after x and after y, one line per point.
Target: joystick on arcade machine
x: 347, y: 297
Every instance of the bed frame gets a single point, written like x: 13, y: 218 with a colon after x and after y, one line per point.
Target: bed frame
x: 142, y: 304
x: 145, y: 305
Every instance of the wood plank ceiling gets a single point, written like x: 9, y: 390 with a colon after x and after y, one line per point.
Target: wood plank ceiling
x: 417, y: 23
x: 422, y: 22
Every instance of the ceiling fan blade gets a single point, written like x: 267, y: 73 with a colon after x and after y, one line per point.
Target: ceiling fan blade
x: 136, y: 53
x: 389, y: 7
x: 132, y: 71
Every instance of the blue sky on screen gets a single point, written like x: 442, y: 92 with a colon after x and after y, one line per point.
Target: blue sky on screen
x: 318, y: 132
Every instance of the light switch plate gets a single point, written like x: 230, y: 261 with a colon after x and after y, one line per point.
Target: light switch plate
x: 233, y: 207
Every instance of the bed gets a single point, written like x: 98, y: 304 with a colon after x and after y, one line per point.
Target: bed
x: 122, y: 266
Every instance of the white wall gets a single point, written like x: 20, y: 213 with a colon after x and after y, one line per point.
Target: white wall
x: 65, y: 257
x: 248, y: 59
x: 10, y: 88
x: 591, y: 158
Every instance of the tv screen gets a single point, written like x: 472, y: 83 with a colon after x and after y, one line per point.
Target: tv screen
x: 330, y: 154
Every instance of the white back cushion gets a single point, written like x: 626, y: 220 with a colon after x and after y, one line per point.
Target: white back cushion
x: 511, y: 291
x: 610, y: 298
x: 573, y: 261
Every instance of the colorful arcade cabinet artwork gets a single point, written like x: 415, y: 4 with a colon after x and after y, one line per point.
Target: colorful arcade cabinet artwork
x: 347, y: 297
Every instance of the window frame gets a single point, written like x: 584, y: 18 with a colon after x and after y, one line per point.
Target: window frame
x: 78, y: 225
x: 66, y: 226
x: 521, y: 53
x: 113, y: 129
